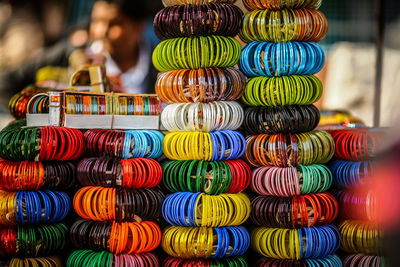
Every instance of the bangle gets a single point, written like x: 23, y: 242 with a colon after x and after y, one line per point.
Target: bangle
x: 127, y: 173
x: 281, y: 4
x: 296, y: 244
x: 363, y: 260
x: 357, y: 144
x: 196, y: 52
x: 199, y: 209
x: 19, y: 102
x: 101, y: 204
x: 294, y: 212
x: 125, y: 237
x: 200, y: 85
x: 177, y: 262
x: 281, y: 59
x: 328, y: 261
x: 107, y: 259
x: 281, y: 119
x: 351, y: 174
x: 202, y: 117
x: 42, y: 262
x: 282, y: 91
x: 195, y: 2
x: 33, y: 241
x: 358, y: 205
x: 205, y: 242
x: 124, y: 144
x: 279, y: 150
x: 198, y: 20
x: 291, y: 181
x: 32, y: 176
x: 284, y: 25
x: 360, y: 237
x: 38, y: 104
x: 218, y: 145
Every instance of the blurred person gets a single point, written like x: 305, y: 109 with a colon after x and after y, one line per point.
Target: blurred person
x: 117, y: 37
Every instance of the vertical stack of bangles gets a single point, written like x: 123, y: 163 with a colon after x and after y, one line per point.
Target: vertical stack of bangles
x: 293, y: 212
x: 35, y: 163
x: 120, y: 201
x: 203, y: 171
x: 352, y: 170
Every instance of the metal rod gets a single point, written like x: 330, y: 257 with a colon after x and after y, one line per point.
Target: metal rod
x: 380, y: 28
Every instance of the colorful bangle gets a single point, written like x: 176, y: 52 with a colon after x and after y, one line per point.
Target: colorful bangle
x: 38, y: 104
x: 279, y: 150
x: 328, y: 261
x: 199, y: 209
x: 363, y: 260
x: 281, y: 59
x: 281, y: 4
x: 281, y: 119
x: 18, y: 104
x: 358, y: 205
x: 177, y: 262
x: 294, y: 212
x: 195, y: 2
x: 196, y: 52
x: 205, y: 242
x: 282, y: 91
x: 101, y: 204
x: 351, y: 174
x: 200, y: 85
x: 42, y: 262
x: 202, y: 117
x: 296, y: 244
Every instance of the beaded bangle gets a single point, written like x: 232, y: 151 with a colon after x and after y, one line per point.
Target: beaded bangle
x: 19, y: 102
x: 127, y: 173
x: 295, y: 212
x: 282, y: 91
x: 296, y: 244
x: 286, y: 119
x: 126, y: 237
x: 205, y: 242
x: 200, y: 85
x: 101, y: 204
x: 281, y: 4
x: 281, y: 59
x: 199, y: 209
x: 90, y: 258
x: 279, y: 150
x: 202, y: 117
x: 358, y: 204
x: 33, y: 241
x: 124, y: 144
x: 42, y: 262
x: 234, y: 262
x: 196, y: 52
x: 28, y: 175
x: 212, y: 178
x: 360, y: 237
x: 291, y: 181
x: 351, y: 174
x: 198, y: 20
x: 328, y: 261
x: 363, y: 260
x: 218, y: 145
x: 194, y: 2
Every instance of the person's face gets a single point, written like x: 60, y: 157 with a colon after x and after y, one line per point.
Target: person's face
x: 119, y: 33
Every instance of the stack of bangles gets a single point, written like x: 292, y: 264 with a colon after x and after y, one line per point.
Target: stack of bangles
x: 282, y: 91
x: 200, y: 85
x: 295, y: 212
x: 358, y: 205
x: 89, y: 258
x: 112, y: 172
x: 351, y: 173
x: 296, y: 244
x: 291, y: 181
x: 212, y: 178
x: 28, y: 207
x: 32, y: 176
x: 281, y: 59
x: 39, y: 103
x: 125, y: 237
x: 198, y: 209
x: 194, y: 2
x: 196, y: 52
x: 124, y: 144
x: 280, y: 150
x: 284, y: 25
x: 357, y: 260
x: 205, y: 242
x: 18, y: 104
x: 281, y: 4
x: 38, y: 144
x: 194, y: 20
x: 33, y: 241
x: 328, y: 261
x: 218, y: 145
x: 360, y: 237
x: 234, y: 262
x: 37, y: 262
x: 102, y: 204
x: 202, y: 117
x: 281, y: 119
x: 356, y: 145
